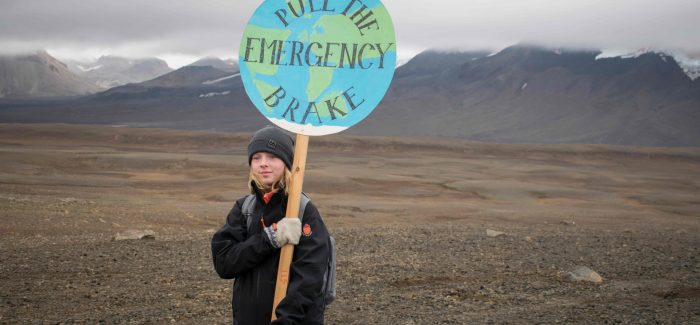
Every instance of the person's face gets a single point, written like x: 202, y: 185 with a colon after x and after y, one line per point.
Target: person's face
x: 267, y: 167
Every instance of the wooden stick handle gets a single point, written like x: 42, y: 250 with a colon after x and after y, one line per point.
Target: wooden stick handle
x: 300, y: 148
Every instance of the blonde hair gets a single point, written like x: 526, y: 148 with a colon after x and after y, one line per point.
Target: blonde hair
x: 283, y: 182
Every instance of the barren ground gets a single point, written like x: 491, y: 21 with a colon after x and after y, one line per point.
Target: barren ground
x: 410, y: 218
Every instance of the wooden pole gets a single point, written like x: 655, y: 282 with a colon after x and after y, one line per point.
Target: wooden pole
x: 300, y: 148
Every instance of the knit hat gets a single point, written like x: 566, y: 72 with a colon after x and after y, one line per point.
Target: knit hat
x: 272, y: 140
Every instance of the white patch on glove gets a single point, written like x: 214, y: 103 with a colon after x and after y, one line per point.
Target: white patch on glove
x: 288, y: 231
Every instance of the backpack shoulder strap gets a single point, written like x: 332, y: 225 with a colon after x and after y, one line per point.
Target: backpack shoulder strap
x: 247, y: 209
x: 302, y: 205
x: 249, y: 206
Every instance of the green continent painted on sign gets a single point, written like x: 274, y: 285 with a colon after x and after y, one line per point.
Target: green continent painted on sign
x: 336, y: 25
x: 319, y: 80
x: 265, y: 89
x: 272, y: 36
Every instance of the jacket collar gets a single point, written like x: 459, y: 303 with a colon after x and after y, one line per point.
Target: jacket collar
x: 278, y: 197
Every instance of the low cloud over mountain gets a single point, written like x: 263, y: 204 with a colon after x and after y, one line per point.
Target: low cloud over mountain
x: 39, y: 75
x: 111, y: 71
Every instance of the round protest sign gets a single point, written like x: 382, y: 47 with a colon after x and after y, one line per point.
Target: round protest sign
x: 318, y: 67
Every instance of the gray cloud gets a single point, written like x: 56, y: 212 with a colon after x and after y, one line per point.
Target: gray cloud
x: 214, y: 27
x: 157, y: 25
x: 592, y: 23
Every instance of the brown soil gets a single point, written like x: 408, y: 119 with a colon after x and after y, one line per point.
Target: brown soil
x: 409, y: 215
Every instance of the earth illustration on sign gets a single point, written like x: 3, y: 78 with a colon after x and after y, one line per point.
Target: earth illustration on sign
x: 318, y: 67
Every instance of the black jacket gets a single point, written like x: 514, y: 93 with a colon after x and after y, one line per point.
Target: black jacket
x: 251, y: 259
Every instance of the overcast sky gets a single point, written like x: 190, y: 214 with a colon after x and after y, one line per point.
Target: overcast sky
x: 180, y: 31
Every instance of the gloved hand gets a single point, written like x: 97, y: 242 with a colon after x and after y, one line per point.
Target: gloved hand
x: 288, y: 231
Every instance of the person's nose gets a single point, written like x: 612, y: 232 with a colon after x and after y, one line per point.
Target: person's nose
x: 264, y: 161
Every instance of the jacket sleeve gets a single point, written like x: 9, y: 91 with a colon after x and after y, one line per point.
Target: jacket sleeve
x: 308, y: 267
x: 233, y: 250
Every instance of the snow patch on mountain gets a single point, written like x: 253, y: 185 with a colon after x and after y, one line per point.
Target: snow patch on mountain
x: 207, y: 95
x: 691, y: 66
x: 623, y: 54
x: 84, y: 69
x: 209, y: 82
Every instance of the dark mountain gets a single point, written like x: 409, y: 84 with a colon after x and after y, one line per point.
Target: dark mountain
x: 39, y: 75
x: 192, y: 97
x: 521, y: 94
x: 432, y: 63
x: 531, y: 94
x: 113, y: 71
x: 228, y: 65
x: 184, y: 82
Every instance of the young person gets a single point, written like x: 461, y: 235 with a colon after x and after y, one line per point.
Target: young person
x: 249, y: 251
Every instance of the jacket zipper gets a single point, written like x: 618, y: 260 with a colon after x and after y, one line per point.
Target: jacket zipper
x: 257, y: 286
x: 257, y: 283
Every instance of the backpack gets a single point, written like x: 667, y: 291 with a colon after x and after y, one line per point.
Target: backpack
x: 328, y: 288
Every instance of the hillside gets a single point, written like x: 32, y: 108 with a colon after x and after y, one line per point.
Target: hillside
x: 39, y: 75
x: 529, y: 94
x: 112, y: 71
x: 523, y: 94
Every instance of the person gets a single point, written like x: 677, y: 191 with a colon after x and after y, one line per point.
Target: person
x: 249, y: 251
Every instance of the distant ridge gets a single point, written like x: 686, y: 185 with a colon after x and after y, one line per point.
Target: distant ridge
x: 112, y: 71
x: 216, y: 63
x: 39, y: 75
x: 522, y: 94
x: 184, y: 82
x: 538, y: 95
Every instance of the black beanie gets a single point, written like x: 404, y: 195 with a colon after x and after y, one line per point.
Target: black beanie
x: 275, y: 141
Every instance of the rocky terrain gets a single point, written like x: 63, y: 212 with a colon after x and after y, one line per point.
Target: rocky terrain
x: 417, y: 224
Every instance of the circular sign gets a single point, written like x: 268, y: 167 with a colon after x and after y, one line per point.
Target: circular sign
x: 318, y: 67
